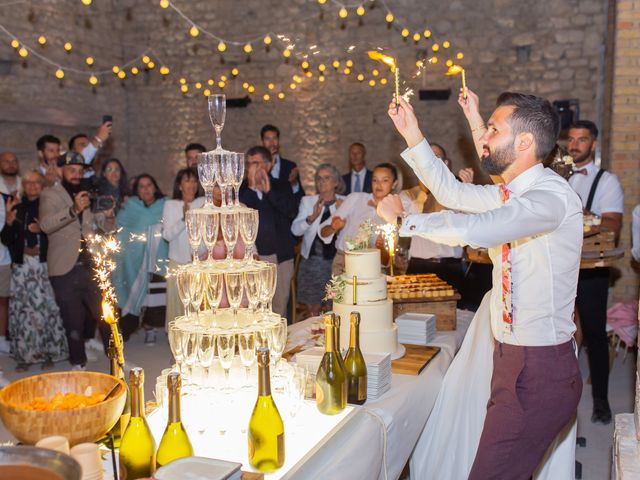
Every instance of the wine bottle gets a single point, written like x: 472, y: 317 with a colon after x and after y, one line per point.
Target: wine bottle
x: 266, y: 430
x: 116, y: 371
x: 331, y: 380
x: 137, y: 447
x: 175, y: 442
x: 354, y: 364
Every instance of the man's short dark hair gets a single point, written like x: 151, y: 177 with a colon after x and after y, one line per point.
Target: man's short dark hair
x: 74, y: 138
x: 588, y: 125
x: 358, y: 144
x: 195, y: 146
x: 46, y: 139
x: 534, y: 115
x: 389, y: 166
x: 260, y: 150
x: 269, y: 128
x: 444, y: 152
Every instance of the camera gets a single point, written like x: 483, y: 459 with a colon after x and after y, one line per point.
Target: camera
x: 98, y: 202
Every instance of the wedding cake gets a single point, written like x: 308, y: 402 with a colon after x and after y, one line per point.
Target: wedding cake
x: 365, y: 291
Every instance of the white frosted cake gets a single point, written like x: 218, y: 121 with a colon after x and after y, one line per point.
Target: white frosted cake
x: 378, y: 333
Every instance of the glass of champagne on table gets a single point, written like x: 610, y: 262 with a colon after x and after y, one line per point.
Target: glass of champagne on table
x: 206, y: 347
x: 217, y: 114
x: 183, y: 280
x: 193, y: 224
x: 225, y: 177
x: 233, y: 285
x: 252, y: 289
x: 215, y: 285
x: 229, y: 225
x: 190, y: 351
x: 210, y: 232
x: 249, y: 230
x: 247, y: 349
x: 236, y: 172
x: 278, y: 341
x: 207, y: 176
x: 198, y: 285
x: 174, y: 335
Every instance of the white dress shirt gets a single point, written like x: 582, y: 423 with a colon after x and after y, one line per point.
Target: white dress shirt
x: 13, y: 190
x: 542, y: 220
x: 301, y: 227
x: 356, y: 209
x: 361, y: 174
x: 635, y: 233
x: 608, y: 197
x: 174, y: 230
x: 275, y: 173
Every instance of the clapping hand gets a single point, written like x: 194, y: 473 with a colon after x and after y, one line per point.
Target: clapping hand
x: 338, y: 223
x: 293, y: 176
x: 406, y: 123
x: 11, y: 212
x: 317, y: 209
x: 466, y: 175
x: 263, y: 183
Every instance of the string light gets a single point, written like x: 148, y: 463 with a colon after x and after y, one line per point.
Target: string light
x: 360, y: 10
x: 223, y: 78
x: 221, y: 84
x: 183, y: 81
x: 281, y: 96
x: 433, y: 60
x: 198, y: 85
x: 146, y: 59
x: 360, y: 77
x: 266, y: 97
x: 245, y: 85
x: 164, y: 70
x: 248, y: 48
x: 335, y: 64
x: 322, y: 2
x: 122, y: 74
x: 446, y: 44
x: 448, y: 63
x: 271, y: 86
x: 286, y: 53
x: 297, y: 79
x: 321, y: 78
x: 267, y: 40
x: 349, y: 63
x: 404, y: 32
x: 60, y: 73
x: 322, y: 67
x: 184, y: 88
x: 416, y: 37
x: 372, y: 83
x: 93, y: 80
x: 383, y: 81
x: 68, y: 47
x: 15, y: 43
x: 389, y: 17
x: 164, y: 3
x: 309, y: 74
x: 206, y: 92
x: 134, y: 70
x: 375, y: 72
x: 235, y: 72
x: 23, y: 52
x: 222, y: 46
x: 347, y: 71
x: 193, y: 31
x: 343, y: 13
x: 292, y: 86
x: 460, y: 55
x: 251, y: 89
x: 427, y: 33
x: 42, y: 40
x: 150, y: 65
x: 89, y: 61
x: 115, y: 69
x: 210, y: 82
x: 419, y: 63
x: 87, y: 2
x: 435, y: 47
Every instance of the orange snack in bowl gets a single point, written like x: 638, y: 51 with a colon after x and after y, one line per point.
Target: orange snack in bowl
x: 64, y: 401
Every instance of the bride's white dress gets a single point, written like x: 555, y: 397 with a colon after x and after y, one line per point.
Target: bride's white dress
x: 447, y: 446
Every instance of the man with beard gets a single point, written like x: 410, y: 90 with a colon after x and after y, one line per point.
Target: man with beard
x: 601, y: 193
x: 48, y: 153
x: 532, y: 226
x: 281, y: 169
x: 66, y: 218
x: 10, y: 182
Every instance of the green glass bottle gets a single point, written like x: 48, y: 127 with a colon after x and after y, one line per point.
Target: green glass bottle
x: 354, y: 364
x: 266, y: 429
x: 137, y: 447
x: 175, y: 442
x: 331, y: 380
x: 116, y: 371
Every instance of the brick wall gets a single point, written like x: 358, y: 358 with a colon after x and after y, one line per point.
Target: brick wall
x: 625, y: 132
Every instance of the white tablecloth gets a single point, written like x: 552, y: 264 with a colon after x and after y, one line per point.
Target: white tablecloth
x: 363, y: 449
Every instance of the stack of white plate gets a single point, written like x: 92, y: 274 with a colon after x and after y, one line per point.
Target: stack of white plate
x: 378, y: 374
x: 416, y: 328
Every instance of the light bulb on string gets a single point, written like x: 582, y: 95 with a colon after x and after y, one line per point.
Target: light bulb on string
x: 247, y: 48
x: 383, y: 81
x: 42, y: 40
x: 321, y: 78
x: 164, y: 70
x: 460, y: 55
x: 115, y: 69
x: 343, y: 13
x: 449, y: 62
x: 251, y: 89
x: 193, y: 31
x: 68, y: 47
x: 134, y: 70
x: 183, y: 81
x: 146, y: 59
x: 322, y: 67
x: 349, y: 63
x: 223, y: 78
x: 304, y: 65
x: 427, y: 33
x: 297, y: 79
x: 375, y: 72
x: 267, y: 40
x: 184, y: 88
x: 151, y: 65
x: 222, y: 46
x: 86, y: 2
x: 271, y: 86
x: 198, y: 85
x: 89, y: 61
x: 221, y: 84
x: 389, y: 17
x: 308, y: 74
x: 416, y: 37
x: 245, y: 85
x: 360, y: 11
x: 164, y: 3
x: 281, y: 96
x: 15, y: 43
x: 433, y: 60
x: 206, y: 92
x: 122, y: 74
x: 360, y: 77
x: 435, y: 47
x: 405, y: 33
x: 292, y: 86
x: 266, y: 97
x: 419, y: 63
x: 346, y: 71
x: 446, y: 44
x: 93, y: 80
x: 372, y: 83
x: 235, y: 72
x: 286, y: 53
x: 23, y: 52
x: 322, y: 2
x: 210, y: 82
x: 335, y: 64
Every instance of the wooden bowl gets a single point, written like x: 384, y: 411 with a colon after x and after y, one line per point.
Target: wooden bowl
x: 86, y: 424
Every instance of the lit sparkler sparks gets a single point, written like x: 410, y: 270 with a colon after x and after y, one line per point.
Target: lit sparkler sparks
x: 391, y: 62
x: 456, y: 69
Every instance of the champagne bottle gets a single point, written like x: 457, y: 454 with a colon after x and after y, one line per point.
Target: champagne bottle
x: 137, y: 447
x: 266, y: 430
x: 354, y: 364
x: 331, y: 380
x: 116, y: 371
x: 174, y: 443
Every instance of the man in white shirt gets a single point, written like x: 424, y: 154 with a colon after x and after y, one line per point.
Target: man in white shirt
x: 601, y: 193
x: 88, y: 148
x: 532, y: 226
x: 10, y: 181
x: 359, y: 177
x: 282, y: 169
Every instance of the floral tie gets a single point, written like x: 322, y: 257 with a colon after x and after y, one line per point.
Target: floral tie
x: 507, y: 310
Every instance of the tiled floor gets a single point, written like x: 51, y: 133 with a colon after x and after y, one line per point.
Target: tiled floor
x: 595, y: 457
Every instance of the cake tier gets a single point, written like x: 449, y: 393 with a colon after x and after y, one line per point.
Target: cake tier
x: 368, y: 290
x: 365, y: 264
x: 378, y: 333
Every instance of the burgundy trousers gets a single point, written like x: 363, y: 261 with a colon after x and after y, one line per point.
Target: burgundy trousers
x: 534, y: 393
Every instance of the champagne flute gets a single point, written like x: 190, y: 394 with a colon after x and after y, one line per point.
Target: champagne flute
x: 197, y: 286
x: 190, y: 350
x: 249, y: 220
x: 226, y: 343
x: 217, y: 113
x: 266, y: 274
x: 237, y: 174
x: 247, y: 348
x: 206, y: 175
x: 233, y: 286
x: 210, y: 232
x: 278, y: 340
x: 206, y: 344
x: 174, y: 335
x: 252, y: 289
x: 194, y: 232
x: 229, y: 225
x: 221, y: 178
x: 214, y: 292
x: 226, y: 177
x: 263, y: 337
x: 183, y: 278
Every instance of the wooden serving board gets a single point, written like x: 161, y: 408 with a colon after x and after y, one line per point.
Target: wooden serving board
x: 415, y: 359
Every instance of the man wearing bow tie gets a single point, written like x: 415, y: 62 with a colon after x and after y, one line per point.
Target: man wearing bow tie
x: 601, y: 193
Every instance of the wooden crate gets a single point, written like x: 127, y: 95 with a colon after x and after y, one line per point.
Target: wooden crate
x: 443, y: 308
x: 600, y: 242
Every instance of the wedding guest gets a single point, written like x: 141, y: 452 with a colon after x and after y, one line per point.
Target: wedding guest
x: 635, y: 233
x: 282, y: 168
x: 601, y: 193
x: 35, y: 324
x: 356, y: 209
x: 5, y: 285
x: 10, y: 181
x: 191, y: 153
x: 65, y: 216
x: 277, y: 208
x: 185, y: 191
x: 48, y: 148
x: 111, y: 184
x: 315, y: 267
x: 532, y: 225
x: 359, y: 177
x: 143, y: 254
x: 80, y: 143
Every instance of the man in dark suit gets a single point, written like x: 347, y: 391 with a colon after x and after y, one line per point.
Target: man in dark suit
x: 276, y: 207
x: 282, y: 169
x: 359, y: 178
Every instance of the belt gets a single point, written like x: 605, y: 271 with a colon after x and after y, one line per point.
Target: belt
x: 442, y: 260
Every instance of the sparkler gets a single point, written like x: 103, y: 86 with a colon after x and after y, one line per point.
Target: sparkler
x: 456, y: 69
x: 391, y: 62
x: 388, y: 232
